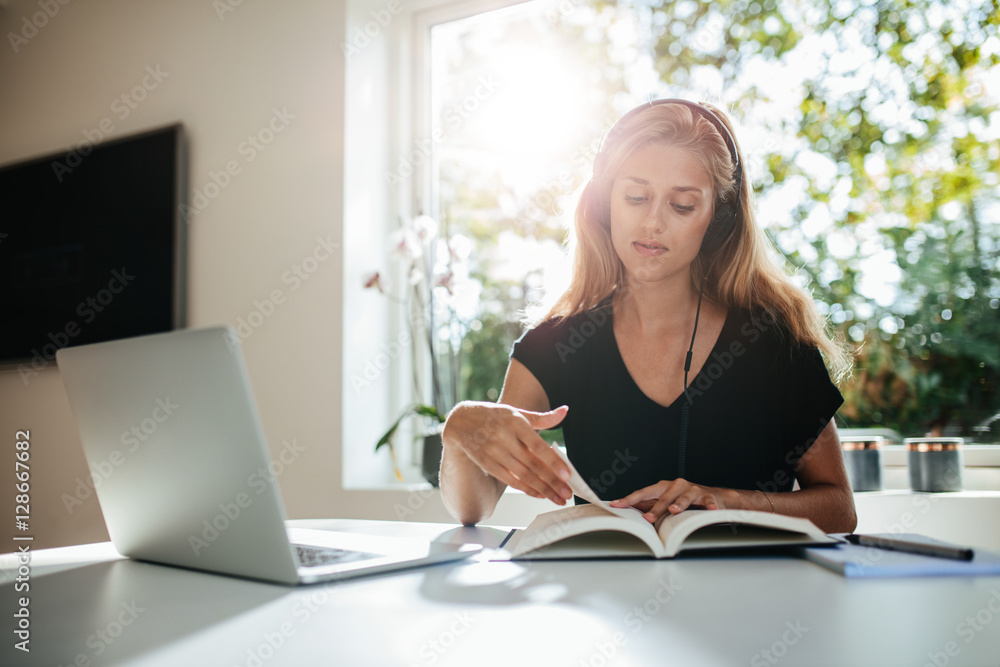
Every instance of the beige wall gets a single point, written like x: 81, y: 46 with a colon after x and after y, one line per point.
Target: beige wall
x: 222, y: 78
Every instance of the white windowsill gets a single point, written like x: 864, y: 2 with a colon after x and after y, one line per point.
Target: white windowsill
x: 973, y: 456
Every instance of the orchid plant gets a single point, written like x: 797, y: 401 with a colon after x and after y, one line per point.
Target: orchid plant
x: 433, y: 264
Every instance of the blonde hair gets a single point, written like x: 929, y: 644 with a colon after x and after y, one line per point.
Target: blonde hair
x: 743, y: 272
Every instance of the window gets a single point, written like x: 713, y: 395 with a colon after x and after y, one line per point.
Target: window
x: 518, y: 98
x: 872, y: 135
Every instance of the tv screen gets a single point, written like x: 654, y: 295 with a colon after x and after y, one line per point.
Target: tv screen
x: 91, y: 246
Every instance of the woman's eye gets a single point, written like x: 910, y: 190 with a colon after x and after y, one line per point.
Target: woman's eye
x: 634, y: 200
x: 683, y: 209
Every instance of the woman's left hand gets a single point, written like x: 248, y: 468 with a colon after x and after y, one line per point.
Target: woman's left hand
x: 672, y: 496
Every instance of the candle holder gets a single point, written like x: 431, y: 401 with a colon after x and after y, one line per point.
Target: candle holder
x: 935, y: 464
x: 863, y: 458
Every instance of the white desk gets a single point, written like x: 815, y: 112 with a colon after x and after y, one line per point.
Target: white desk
x: 686, y: 612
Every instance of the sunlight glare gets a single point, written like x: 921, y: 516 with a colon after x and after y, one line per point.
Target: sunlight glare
x: 534, y: 107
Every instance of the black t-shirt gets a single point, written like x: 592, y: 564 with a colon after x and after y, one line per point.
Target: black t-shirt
x: 757, y: 404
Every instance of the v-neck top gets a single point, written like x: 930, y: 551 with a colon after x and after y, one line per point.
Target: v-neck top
x: 756, y: 405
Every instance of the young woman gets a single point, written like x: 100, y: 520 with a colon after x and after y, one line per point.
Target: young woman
x: 684, y: 367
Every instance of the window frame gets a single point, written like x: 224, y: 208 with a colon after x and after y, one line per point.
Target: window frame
x: 405, y: 84
x: 394, y: 67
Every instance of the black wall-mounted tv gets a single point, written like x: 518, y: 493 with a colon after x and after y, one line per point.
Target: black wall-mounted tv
x: 92, y: 247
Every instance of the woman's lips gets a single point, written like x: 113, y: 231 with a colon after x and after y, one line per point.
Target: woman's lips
x: 648, y: 248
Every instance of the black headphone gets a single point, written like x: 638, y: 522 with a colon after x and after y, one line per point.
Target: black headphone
x: 726, y: 212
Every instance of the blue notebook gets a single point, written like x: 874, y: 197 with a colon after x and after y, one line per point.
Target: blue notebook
x: 854, y: 561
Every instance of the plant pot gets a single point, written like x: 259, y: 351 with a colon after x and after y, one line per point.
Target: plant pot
x: 430, y: 467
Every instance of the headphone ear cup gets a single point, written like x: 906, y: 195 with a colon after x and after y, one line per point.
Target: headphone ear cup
x: 722, y: 225
x: 596, y: 206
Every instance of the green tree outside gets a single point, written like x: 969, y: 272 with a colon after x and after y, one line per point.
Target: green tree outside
x: 892, y: 149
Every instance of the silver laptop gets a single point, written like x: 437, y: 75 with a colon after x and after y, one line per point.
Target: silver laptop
x: 169, y: 425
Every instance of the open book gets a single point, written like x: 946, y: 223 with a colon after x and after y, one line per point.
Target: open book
x: 598, y: 530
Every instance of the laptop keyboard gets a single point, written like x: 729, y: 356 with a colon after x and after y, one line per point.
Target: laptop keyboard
x: 313, y: 556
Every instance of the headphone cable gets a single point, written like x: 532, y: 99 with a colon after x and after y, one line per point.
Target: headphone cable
x: 686, y: 407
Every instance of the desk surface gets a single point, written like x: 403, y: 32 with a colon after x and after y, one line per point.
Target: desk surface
x: 90, y: 606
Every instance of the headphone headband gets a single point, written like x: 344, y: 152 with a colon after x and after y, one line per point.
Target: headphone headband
x: 701, y: 110
x: 724, y: 220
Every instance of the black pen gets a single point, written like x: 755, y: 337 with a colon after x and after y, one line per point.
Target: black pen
x: 921, y: 548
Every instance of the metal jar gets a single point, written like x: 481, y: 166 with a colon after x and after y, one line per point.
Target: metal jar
x: 935, y: 463
x: 863, y: 458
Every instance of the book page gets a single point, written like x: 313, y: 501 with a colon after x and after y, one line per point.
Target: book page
x: 583, y: 490
x: 550, y: 535
x: 735, y: 528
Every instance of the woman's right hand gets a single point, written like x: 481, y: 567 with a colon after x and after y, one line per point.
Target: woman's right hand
x: 503, y: 441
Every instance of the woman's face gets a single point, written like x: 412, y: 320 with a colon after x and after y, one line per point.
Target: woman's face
x: 661, y: 205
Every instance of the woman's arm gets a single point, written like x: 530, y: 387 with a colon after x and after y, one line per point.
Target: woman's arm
x: 489, y: 446
x: 824, y: 496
